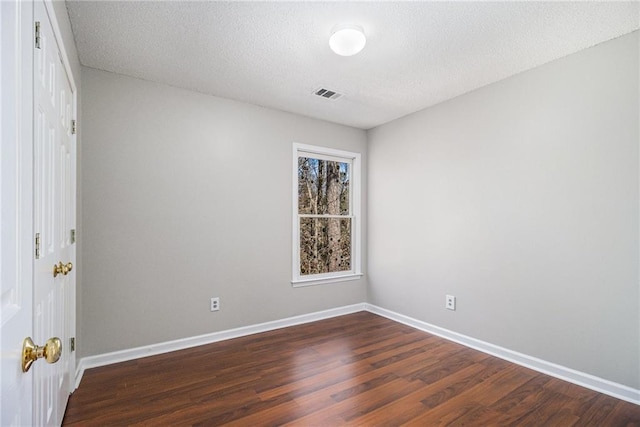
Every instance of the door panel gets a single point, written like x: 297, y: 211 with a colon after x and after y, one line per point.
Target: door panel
x: 45, y: 187
x: 37, y: 195
x: 16, y: 225
x: 54, y: 201
x: 16, y: 192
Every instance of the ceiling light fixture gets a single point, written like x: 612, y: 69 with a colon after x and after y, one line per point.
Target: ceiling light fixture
x: 347, y: 40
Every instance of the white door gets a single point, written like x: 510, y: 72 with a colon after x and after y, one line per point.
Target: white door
x: 37, y: 195
x: 16, y: 251
x: 54, y: 219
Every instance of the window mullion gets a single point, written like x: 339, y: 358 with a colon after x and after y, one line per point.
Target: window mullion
x: 324, y: 216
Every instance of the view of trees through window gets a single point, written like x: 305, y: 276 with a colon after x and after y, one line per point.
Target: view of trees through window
x: 324, y: 212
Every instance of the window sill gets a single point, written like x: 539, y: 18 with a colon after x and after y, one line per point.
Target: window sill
x: 324, y: 280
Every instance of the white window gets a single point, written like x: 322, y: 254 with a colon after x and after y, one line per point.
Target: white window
x: 326, y: 215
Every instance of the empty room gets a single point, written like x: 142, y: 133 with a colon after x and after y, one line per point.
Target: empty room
x: 320, y: 213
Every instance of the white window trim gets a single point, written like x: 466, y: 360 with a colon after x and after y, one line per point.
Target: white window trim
x: 356, y: 208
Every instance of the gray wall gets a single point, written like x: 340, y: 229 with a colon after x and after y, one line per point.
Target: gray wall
x: 521, y: 199
x: 186, y: 197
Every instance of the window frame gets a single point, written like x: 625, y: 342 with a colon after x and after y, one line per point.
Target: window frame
x: 355, y: 188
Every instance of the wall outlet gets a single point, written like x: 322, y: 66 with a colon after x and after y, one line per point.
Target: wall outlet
x: 451, y: 302
x: 215, y: 303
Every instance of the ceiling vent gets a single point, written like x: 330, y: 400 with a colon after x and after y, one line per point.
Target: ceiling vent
x: 326, y: 93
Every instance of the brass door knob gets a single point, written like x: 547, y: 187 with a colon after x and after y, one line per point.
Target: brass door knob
x: 61, y: 268
x: 50, y: 352
x: 58, y: 269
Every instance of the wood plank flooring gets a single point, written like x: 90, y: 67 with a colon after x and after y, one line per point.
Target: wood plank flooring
x: 360, y: 369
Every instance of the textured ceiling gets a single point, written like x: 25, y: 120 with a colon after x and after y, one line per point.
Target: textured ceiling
x: 275, y: 54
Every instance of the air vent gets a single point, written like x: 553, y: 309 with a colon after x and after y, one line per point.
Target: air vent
x: 326, y: 93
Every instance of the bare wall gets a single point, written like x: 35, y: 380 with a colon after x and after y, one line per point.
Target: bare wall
x: 521, y: 199
x: 185, y: 197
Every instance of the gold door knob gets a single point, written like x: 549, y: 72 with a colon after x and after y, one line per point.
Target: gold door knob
x: 61, y: 268
x: 58, y: 269
x: 50, y: 352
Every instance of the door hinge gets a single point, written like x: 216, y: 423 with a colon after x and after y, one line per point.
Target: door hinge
x: 37, y: 34
x: 73, y: 235
x: 73, y: 127
x: 72, y: 344
x: 37, y: 245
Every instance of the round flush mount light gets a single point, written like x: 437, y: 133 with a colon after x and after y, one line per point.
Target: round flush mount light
x: 347, y: 40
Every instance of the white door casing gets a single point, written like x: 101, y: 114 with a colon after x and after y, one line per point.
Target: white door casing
x: 16, y: 191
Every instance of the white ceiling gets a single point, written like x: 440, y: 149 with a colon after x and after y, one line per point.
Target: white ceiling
x: 275, y: 54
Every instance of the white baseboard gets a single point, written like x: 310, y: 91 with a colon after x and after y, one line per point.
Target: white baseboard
x: 181, y: 344
x: 589, y: 381
x: 592, y: 382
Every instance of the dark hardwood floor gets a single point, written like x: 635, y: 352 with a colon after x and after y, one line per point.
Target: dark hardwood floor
x: 359, y: 369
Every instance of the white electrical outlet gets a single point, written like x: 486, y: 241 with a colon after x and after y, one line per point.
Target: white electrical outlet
x: 451, y: 302
x: 215, y: 304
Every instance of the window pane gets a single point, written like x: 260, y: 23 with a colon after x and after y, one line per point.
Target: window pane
x: 323, y: 187
x: 325, y: 245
